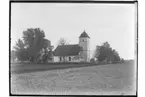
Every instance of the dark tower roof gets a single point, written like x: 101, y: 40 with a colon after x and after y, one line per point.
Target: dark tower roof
x: 84, y: 34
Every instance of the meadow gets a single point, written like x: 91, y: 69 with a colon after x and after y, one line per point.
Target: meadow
x: 118, y: 79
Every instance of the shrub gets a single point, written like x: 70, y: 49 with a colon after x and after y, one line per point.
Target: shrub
x: 92, y: 60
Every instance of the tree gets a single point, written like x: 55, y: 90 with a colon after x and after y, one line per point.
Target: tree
x: 62, y: 41
x: 97, y: 51
x: 19, y: 45
x: 106, y: 53
x: 21, y: 51
x: 46, y: 55
x: 33, y: 44
x: 13, y: 55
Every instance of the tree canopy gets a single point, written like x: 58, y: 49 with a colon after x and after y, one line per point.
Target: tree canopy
x: 62, y: 41
x: 32, y: 44
x: 106, y: 53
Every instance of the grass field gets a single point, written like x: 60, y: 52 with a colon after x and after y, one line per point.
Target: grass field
x: 102, y: 79
x: 25, y: 68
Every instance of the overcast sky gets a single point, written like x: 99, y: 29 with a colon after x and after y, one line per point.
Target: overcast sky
x: 114, y: 23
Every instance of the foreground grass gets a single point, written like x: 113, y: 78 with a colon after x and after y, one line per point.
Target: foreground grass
x: 105, y: 79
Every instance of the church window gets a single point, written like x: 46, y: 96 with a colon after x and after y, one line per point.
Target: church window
x: 69, y: 58
x: 60, y: 58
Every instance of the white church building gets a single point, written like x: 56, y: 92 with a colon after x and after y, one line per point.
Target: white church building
x: 74, y: 53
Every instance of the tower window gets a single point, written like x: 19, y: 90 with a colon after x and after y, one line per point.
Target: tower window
x: 83, y: 40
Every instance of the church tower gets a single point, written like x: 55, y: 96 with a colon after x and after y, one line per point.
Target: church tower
x: 84, y: 42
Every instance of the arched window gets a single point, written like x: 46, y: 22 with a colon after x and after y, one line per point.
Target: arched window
x: 60, y: 58
x: 69, y: 58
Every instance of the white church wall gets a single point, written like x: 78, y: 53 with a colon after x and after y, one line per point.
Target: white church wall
x: 73, y: 59
x: 56, y: 59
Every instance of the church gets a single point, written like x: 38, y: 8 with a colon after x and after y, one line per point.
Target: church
x: 74, y: 53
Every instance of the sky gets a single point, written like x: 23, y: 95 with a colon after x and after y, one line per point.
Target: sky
x: 115, y: 23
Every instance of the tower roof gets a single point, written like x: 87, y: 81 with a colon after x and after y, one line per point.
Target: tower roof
x: 84, y: 34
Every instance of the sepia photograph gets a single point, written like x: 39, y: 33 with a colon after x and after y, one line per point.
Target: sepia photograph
x: 73, y: 48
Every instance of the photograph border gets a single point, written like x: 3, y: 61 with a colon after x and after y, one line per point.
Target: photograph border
x: 86, y: 2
